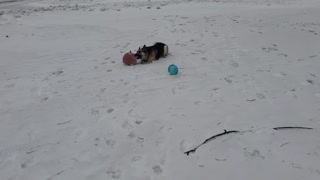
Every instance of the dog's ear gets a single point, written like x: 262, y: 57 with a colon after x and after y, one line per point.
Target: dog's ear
x: 144, y: 46
x: 139, y: 49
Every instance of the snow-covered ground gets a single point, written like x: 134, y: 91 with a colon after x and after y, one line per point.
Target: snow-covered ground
x: 70, y: 110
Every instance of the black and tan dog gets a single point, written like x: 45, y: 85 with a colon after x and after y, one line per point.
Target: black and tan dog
x: 147, y: 54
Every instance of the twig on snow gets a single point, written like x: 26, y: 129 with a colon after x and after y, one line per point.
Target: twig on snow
x: 66, y: 122
x: 209, y: 139
x: 291, y: 127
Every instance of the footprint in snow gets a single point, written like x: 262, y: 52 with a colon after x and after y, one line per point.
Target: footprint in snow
x: 279, y: 74
x: 10, y: 86
x: 114, y: 174
x: 157, y: 170
x: 234, y: 64
x: 136, y: 158
x: 58, y: 72
x: 96, y: 140
x: 228, y: 80
x: 254, y: 154
x: 204, y: 59
x: 103, y: 90
x: 283, y: 54
x: 94, y: 111
x: 313, y: 56
x: 140, y: 140
x: 110, y: 142
x: 110, y: 110
x: 131, y: 135
x: 261, y: 96
x: 138, y: 122
x: 25, y: 164
x: 313, y: 75
x: 310, y: 81
x: 270, y: 49
x: 44, y: 99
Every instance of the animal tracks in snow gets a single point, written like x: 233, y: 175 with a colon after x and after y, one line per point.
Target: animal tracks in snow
x: 238, y: 67
x: 254, y: 154
x: 114, y: 173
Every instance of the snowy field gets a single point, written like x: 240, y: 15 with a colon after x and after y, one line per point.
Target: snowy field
x: 70, y: 110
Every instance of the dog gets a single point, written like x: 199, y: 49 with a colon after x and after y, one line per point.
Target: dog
x: 147, y: 54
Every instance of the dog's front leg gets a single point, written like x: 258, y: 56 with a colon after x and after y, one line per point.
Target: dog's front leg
x: 143, y: 62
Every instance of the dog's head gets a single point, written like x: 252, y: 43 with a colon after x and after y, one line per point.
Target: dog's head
x: 142, y: 53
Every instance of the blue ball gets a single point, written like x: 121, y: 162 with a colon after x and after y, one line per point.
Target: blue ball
x: 173, y: 69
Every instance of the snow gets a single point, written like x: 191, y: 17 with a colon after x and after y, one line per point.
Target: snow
x: 69, y: 108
